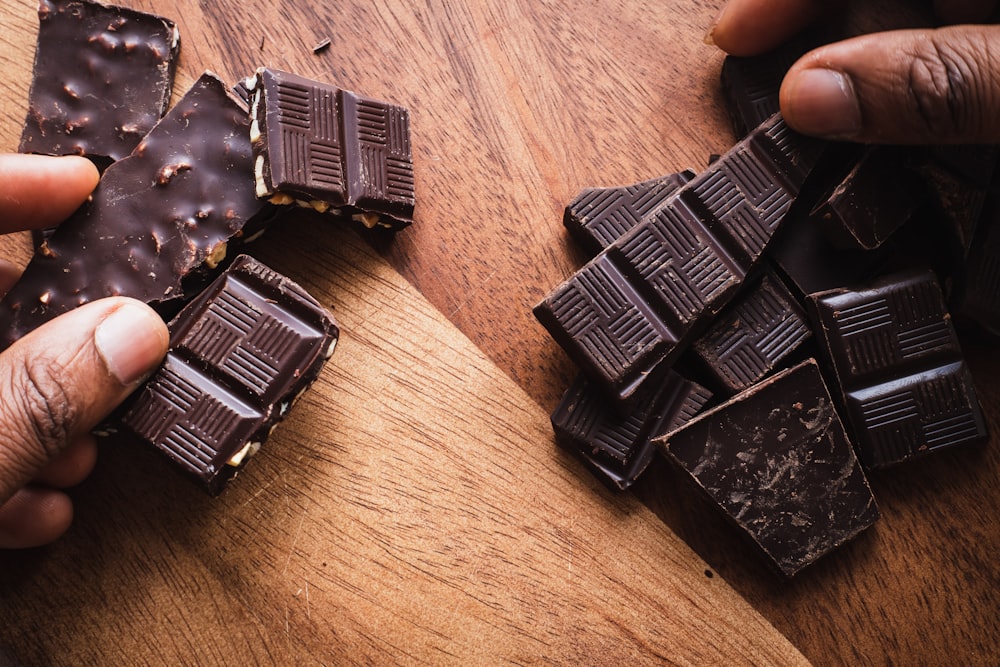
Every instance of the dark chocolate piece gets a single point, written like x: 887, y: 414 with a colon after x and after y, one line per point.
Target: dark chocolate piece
x: 753, y: 335
x: 598, y: 216
x: 777, y: 461
x: 809, y: 262
x: 751, y: 84
x: 876, y: 197
x: 326, y: 147
x: 906, y: 388
x: 627, y: 315
x: 102, y: 79
x: 240, y: 355
x: 618, y: 449
x: 160, y: 224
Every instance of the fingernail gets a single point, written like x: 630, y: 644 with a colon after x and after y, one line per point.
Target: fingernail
x: 822, y: 102
x: 710, y: 35
x: 131, y: 341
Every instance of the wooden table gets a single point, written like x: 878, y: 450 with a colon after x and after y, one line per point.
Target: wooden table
x: 414, y: 509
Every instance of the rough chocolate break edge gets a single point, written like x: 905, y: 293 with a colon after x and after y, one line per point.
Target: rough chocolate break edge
x: 161, y: 223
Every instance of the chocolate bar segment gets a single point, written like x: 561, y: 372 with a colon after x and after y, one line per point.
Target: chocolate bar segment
x: 753, y: 335
x: 102, y: 79
x: 161, y: 222
x: 906, y: 389
x: 598, y: 216
x: 776, y: 459
x: 240, y: 355
x: 628, y: 314
x: 874, y: 199
x: 617, y: 448
x: 330, y: 148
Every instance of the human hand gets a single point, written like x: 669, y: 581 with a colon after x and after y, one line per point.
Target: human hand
x: 59, y: 381
x: 900, y: 87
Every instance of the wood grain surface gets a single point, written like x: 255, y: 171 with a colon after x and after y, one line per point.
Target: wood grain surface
x: 364, y: 530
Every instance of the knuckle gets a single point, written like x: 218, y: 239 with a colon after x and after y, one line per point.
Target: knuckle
x: 942, y: 82
x: 47, y: 406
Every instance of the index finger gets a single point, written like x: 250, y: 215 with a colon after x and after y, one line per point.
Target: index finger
x: 38, y: 191
x: 751, y: 27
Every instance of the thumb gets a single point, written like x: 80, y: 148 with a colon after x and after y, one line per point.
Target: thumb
x: 900, y: 87
x: 59, y: 381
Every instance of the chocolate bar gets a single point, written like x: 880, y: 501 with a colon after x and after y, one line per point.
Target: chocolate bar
x: 618, y: 449
x: 752, y: 336
x: 102, y: 79
x: 160, y: 224
x: 598, y: 216
x: 627, y: 315
x: 776, y: 459
x: 874, y: 199
x: 906, y: 388
x: 328, y: 148
x: 240, y: 355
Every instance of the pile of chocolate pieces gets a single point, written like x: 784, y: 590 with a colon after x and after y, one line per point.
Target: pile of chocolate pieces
x: 780, y: 323
x: 182, y: 191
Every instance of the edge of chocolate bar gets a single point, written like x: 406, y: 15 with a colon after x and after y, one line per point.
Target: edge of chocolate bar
x: 598, y: 216
x: 618, y: 448
x: 240, y: 356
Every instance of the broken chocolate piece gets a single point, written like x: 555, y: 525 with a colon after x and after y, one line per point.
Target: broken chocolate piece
x: 619, y: 449
x: 160, y: 224
x: 102, y: 79
x: 627, y: 315
x: 240, y: 355
x: 906, y: 388
x: 753, y: 335
x: 331, y: 149
x: 776, y: 459
x: 876, y: 197
x: 598, y: 216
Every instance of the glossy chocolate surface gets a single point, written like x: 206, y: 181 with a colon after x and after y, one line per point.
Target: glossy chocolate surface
x: 325, y: 146
x: 628, y: 314
x: 240, y: 354
x: 897, y: 360
x: 102, y: 79
x: 776, y: 459
x: 161, y: 223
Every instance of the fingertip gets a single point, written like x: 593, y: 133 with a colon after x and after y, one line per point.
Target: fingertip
x: 752, y: 27
x: 820, y: 101
x: 40, y: 191
x: 33, y: 517
x: 132, y: 340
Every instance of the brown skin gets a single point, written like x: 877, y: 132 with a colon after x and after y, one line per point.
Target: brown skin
x: 903, y: 87
x: 58, y: 382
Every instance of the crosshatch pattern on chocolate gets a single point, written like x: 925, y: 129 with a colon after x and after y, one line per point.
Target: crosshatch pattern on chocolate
x: 679, y: 267
x: 319, y: 143
x: 897, y: 359
x: 239, y: 356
